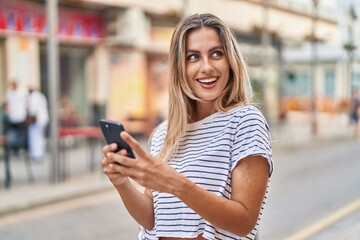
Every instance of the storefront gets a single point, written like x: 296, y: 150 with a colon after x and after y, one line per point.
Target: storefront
x: 2, y: 70
x: 138, y: 70
x: 73, y: 82
x: 24, y: 50
x: 138, y: 90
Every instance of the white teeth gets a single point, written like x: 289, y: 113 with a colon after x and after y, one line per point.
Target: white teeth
x: 209, y: 80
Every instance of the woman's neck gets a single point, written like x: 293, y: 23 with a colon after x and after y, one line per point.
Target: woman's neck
x: 201, y: 111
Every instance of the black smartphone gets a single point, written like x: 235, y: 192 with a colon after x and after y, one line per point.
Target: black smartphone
x: 111, y: 131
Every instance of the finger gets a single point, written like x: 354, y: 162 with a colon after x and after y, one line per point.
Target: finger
x: 108, y: 170
x: 109, y: 148
x: 111, y: 168
x: 112, y: 157
x: 124, y: 170
x: 118, y: 168
x: 123, y: 152
x: 122, y: 160
x: 104, y: 162
x: 135, y: 145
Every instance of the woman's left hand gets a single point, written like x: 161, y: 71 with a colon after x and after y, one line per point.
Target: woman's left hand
x: 149, y: 171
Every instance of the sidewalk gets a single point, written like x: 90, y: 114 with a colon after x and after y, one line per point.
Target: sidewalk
x: 81, y: 181
x: 297, y: 131
x: 82, y: 177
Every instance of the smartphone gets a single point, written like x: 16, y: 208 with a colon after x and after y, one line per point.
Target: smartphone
x: 111, y: 131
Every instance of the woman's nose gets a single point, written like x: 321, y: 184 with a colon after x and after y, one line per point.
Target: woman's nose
x: 206, y: 66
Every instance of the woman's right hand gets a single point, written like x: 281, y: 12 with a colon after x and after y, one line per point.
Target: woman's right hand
x: 114, y: 176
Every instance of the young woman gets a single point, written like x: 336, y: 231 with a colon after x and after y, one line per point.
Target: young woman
x: 206, y: 175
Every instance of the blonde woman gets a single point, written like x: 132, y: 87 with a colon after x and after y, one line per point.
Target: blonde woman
x: 207, y: 172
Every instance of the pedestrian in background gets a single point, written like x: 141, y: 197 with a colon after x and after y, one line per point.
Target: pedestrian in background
x: 38, y: 118
x: 4, y: 118
x: 207, y: 173
x: 67, y: 112
x: 355, y: 112
x: 16, y: 98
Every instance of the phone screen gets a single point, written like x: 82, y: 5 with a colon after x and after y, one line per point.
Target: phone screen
x: 111, y: 131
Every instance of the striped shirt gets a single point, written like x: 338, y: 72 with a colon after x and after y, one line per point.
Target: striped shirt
x: 209, y: 151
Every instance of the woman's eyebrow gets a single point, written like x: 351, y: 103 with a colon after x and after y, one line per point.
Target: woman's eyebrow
x: 216, y: 47
x: 210, y: 50
x: 192, y: 51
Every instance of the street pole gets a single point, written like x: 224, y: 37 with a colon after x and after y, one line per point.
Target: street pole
x: 265, y: 44
x: 350, y: 47
x: 314, y: 90
x: 53, y: 85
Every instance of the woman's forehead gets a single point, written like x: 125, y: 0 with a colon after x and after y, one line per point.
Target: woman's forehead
x: 203, y: 37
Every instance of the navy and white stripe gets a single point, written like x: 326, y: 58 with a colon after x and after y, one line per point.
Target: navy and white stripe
x: 207, y: 154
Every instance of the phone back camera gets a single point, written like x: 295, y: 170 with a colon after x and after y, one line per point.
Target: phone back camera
x: 108, y: 128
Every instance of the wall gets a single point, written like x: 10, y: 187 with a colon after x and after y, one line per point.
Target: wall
x: 22, y: 59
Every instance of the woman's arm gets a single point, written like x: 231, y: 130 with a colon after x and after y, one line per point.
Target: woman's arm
x: 237, y: 215
x: 139, y: 205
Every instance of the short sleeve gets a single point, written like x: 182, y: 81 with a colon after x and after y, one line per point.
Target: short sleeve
x: 252, y: 137
x: 157, y: 138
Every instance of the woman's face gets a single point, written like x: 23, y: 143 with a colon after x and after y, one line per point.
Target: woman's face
x: 207, y: 69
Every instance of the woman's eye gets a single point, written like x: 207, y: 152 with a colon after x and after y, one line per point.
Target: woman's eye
x: 217, y: 54
x: 192, y: 57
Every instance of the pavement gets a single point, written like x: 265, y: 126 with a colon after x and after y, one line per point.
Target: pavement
x: 82, y: 179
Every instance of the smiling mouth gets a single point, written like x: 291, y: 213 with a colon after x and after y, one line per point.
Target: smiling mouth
x: 207, y: 81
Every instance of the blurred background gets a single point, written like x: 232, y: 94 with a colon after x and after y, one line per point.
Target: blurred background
x: 96, y: 59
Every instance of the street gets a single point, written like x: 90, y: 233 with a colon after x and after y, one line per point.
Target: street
x: 99, y: 216
x: 308, y: 184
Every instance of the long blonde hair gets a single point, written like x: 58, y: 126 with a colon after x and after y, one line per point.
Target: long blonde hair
x: 181, y: 99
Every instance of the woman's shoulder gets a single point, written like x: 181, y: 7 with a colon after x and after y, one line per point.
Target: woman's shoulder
x: 157, y: 138
x: 246, y: 110
x: 160, y: 130
x: 249, y: 115
x: 161, y: 125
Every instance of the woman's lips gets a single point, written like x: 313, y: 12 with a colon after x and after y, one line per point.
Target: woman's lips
x: 207, y: 82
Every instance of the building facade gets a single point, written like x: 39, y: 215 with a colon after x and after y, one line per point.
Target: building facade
x: 333, y: 66
x: 113, y: 54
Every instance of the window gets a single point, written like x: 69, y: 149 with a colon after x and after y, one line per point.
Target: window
x: 297, y: 84
x: 355, y: 83
x: 329, y: 83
